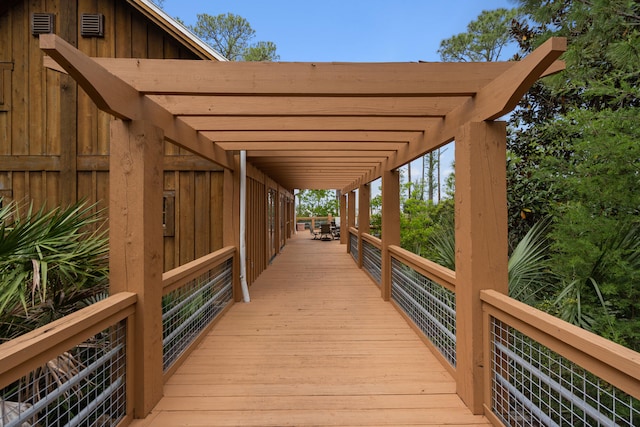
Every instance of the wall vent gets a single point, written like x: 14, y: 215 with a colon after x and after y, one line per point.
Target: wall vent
x: 92, y: 25
x: 42, y: 23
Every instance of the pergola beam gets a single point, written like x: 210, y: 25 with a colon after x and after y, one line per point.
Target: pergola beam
x: 297, y: 136
x: 316, y: 145
x: 274, y: 106
x: 310, y: 123
x: 179, y: 77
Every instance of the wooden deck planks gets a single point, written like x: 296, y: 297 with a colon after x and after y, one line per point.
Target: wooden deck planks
x: 316, y: 346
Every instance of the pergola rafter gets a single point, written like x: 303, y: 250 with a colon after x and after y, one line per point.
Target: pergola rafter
x: 351, y: 120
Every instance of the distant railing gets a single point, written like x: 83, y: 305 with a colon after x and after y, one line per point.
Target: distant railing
x: 72, y: 371
x: 543, y: 371
x: 425, y: 292
x: 194, y: 294
x: 353, y: 244
x: 372, y: 257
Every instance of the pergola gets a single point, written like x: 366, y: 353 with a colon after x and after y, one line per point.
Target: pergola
x: 309, y: 126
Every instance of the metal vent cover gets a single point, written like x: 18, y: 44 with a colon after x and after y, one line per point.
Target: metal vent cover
x: 92, y: 25
x: 42, y: 23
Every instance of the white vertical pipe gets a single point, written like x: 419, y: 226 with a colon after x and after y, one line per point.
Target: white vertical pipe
x: 243, y: 226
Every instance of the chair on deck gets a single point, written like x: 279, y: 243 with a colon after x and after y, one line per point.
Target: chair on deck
x: 325, y: 232
x: 314, y: 233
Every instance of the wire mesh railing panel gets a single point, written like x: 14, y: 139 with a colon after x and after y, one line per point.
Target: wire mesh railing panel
x: 84, y: 386
x: 353, y: 246
x: 372, y: 260
x: 430, y: 306
x: 534, y: 386
x: 188, y: 310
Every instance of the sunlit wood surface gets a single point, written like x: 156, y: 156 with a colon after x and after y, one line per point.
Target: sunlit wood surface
x: 316, y: 346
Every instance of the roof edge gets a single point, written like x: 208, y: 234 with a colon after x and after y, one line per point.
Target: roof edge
x: 176, y: 29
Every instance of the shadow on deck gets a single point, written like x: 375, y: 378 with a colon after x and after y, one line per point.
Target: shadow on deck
x: 316, y: 346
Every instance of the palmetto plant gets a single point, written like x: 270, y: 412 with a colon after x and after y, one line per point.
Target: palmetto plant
x: 529, y: 273
x: 51, y: 262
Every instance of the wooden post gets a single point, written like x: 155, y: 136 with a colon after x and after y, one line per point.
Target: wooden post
x: 351, y: 217
x: 230, y: 221
x: 136, y: 246
x: 481, y: 245
x: 344, y: 237
x: 390, y: 225
x: 364, y: 199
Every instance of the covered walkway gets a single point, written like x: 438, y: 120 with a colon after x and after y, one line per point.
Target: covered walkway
x: 316, y: 346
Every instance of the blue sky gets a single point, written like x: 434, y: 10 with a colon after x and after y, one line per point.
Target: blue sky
x: 347, y: 30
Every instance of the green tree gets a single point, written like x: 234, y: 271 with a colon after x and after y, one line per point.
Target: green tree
x: 316, y: 203
x: 574, y: 155
x: 484, y: 40
x: 261, y: 51
x: 231, y: 35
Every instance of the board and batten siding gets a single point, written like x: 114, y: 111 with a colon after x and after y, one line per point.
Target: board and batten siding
x: 54, y: 142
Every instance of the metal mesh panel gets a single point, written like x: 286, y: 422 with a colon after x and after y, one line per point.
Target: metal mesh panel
x: 84, y: 386
x: 188, y: 310
x: 431, y: 306
x: 533, y: 386
x: 372, y: 260
x: 353, y: 245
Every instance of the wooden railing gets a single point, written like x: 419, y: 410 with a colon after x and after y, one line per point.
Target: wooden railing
x: 73, y: 370
x: 538, y: 366
x: 372, y: 257
x: 424, y: 292
x: 538, y: 369
x: 195, y: 296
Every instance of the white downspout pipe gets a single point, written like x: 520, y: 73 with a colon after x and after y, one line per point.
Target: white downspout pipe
x: 243, y: 226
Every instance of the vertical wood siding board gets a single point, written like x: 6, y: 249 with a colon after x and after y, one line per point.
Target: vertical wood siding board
x: 88, y: 112
x: 186, y: 203
x: 169, y: 241
x: 138, y: 36
x: 5, y: 81
x: 34, y: 187
x: 62, y: 114
x: 200, y: 220
x: 156, y: 42
x: 216, y: 210
x: 122, y: 30
x: 19, y: 84
x: 36, y: 102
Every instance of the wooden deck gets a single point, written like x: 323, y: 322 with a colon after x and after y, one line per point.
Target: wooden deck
x: 316, y: 346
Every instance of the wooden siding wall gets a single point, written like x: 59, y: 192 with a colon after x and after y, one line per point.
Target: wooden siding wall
x: 54, y: 143
x: 260, y: 247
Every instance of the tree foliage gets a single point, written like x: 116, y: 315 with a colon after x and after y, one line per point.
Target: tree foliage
x: 484, y: 40
x: 574, y: 155
x: 316, y: 203
x: 231, y: 35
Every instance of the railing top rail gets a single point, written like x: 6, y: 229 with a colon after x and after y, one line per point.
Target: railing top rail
x: 612, y: 362
x: 373, y: 240
x: 430, y: 269
x: 353, y: 230
x: 25, y: 353
x: 175, y: 278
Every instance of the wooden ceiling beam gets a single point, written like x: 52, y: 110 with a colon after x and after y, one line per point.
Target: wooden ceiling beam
x: 309, y: 123
x: 299, y: 136
x: 290, y: 146
x: 345, y: 154
x: 114, y: 96
x: 166, y: 76
x: 408, y: 106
